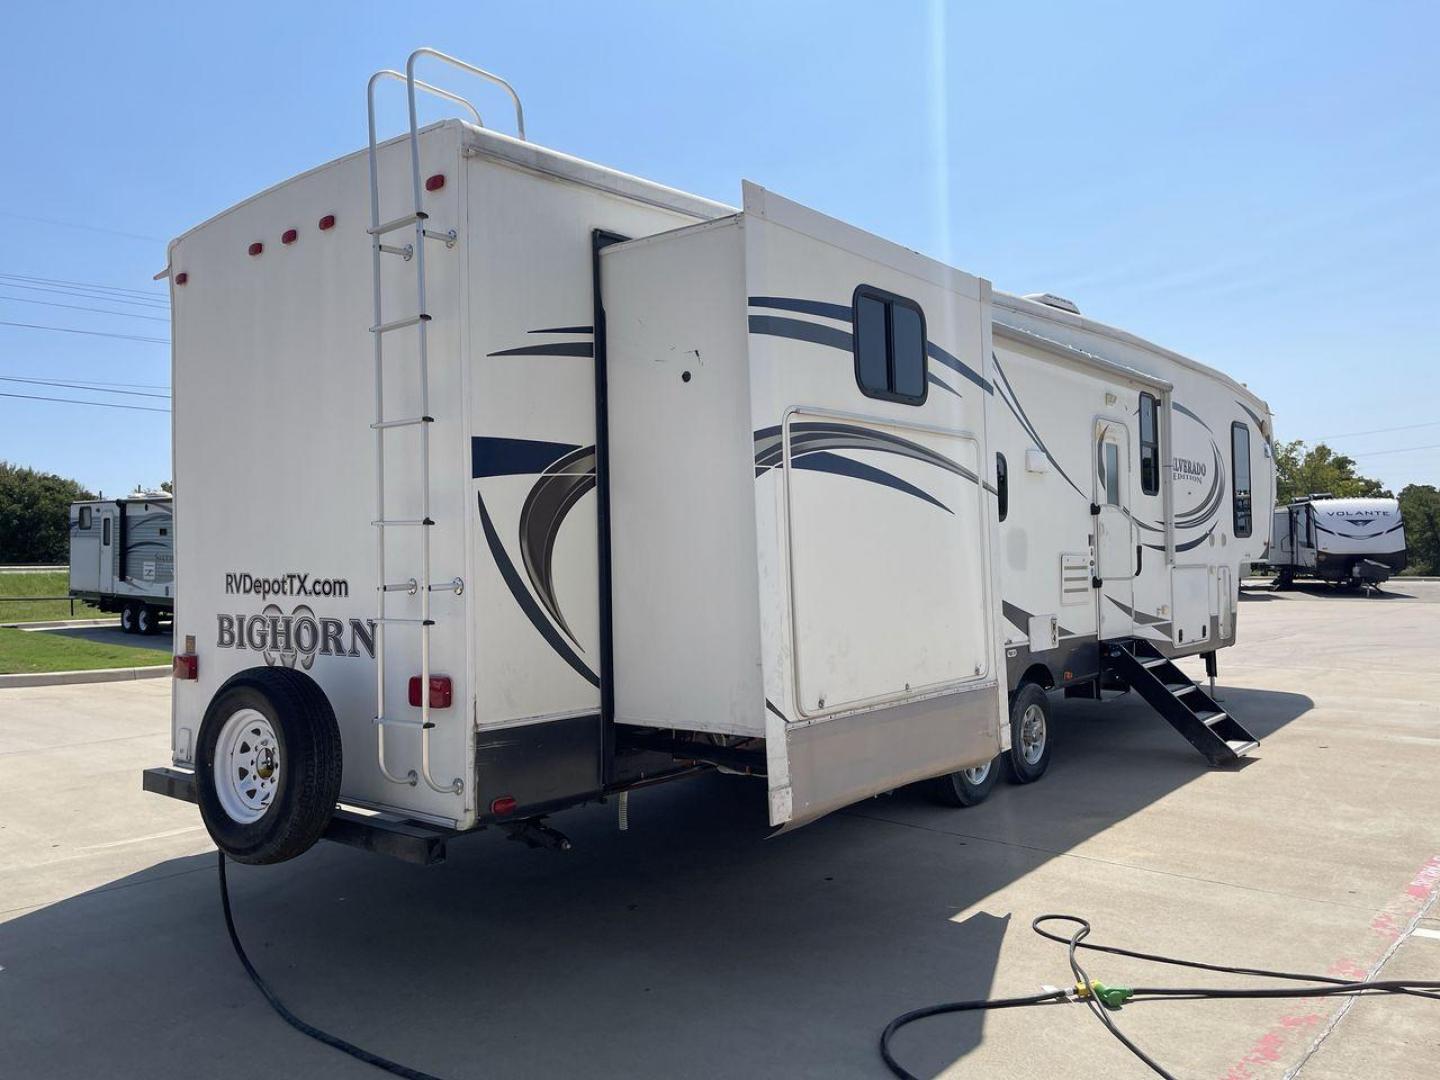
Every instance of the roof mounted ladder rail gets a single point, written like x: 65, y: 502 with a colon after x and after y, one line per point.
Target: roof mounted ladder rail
x: 413, y: 253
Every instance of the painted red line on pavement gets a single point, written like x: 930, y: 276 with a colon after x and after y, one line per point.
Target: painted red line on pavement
x: 1387, y: 926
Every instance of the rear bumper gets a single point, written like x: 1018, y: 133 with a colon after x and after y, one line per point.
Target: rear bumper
x: 410, y: 841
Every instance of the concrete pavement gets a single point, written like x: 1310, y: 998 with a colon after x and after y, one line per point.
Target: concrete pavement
x: 691, y: 945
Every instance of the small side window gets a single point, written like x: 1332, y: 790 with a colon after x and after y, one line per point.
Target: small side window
x: 164, y: 531
x: 1149, y: 445
x: 1240, y: 477
x: 889, y: 337
x: 1002, y: 485
x: 105, y: 530
x: 85, y: 517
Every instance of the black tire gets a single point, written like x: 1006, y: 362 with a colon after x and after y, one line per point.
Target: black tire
x: 147, y: 621
x: 129, y: 618
x: 306, y: 761
x: 1027, y: 760
x: 964, y: 788
x: 1285, y: 580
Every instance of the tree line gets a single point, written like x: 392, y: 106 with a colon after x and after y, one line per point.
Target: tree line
x: 35, y: 514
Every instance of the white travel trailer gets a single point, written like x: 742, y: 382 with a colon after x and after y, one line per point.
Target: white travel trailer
x: 580, y: 483
x: 1350, y: 542
x: 122, y: 558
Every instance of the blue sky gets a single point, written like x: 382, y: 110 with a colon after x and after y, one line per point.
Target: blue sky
x: 1255, y: 185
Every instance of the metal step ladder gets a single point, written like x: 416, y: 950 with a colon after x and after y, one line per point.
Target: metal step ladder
x: 1176, y: 697
x: 413, y: 253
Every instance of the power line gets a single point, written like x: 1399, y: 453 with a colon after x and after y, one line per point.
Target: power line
x: 85, y: 294
x: 1397, y: 450
x: 81, y: 307
x: 91, y: 333
x: 1381, y: 431
x: 145, y: 294
x: 78, y: 225
x: 72, y: 385
x: 76, y: 401
x: 95, y: 382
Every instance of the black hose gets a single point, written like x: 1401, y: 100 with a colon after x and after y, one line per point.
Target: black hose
x: 1317, y: 986
x: 359, y: 1053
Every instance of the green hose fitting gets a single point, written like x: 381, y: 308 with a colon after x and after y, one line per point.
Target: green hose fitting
x: 1112, y: 997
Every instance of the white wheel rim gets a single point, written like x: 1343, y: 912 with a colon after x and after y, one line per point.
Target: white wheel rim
x: 1032, y: 735
x: 247, y: 766
x: 976, y: 775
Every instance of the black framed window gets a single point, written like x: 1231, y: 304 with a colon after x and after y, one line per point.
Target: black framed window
x: 1149, y: 445
x: 890, y: 361
x: 85, y: 519
x: 1002, y: 485
x: 105, y: 530
x: 1240, y: 477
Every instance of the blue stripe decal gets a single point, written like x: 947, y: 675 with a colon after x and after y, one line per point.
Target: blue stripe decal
x: 824, y: 461
x: 954, y: 363
x: 800, y: 330
x: 527, y: 602
x: 806, y: 307
x: 514, y: 457
x: 560, y: 348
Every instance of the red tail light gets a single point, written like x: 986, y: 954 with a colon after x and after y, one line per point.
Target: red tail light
x: 439, y: 691
x: 435, y: 183
x: 256, y: 248
x: 327, y: 222
x: 181, y: 278
x: 186, y: 666
x: 289, y: 236
x: 505, y: 804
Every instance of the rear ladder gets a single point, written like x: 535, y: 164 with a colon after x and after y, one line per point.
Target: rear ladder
x: 413, y: 253
x: 1174, y: 695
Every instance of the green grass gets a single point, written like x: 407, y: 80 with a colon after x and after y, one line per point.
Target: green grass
x: 49, y: 583
x: 26, y: 651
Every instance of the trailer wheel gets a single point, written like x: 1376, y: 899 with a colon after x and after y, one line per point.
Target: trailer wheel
x: 968, y: 787
x: 1030, y: 741
x: 268, y: 769
x: 129, y: 618
x: 147, y: 620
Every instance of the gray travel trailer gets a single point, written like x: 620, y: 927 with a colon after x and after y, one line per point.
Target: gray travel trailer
x: 1348, y: 542
x: 122, y: 558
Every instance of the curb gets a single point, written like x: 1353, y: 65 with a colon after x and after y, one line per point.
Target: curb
x: 98, y: 675
x: 60, y: 624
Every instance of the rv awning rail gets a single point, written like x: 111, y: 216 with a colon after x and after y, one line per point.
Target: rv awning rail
x: 1040, y: 341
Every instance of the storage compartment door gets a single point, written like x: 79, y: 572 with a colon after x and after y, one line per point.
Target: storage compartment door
x: 1190, y: 602
x: 892, y: 632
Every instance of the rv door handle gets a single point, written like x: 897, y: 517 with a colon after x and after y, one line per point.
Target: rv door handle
x: 1139, y: 558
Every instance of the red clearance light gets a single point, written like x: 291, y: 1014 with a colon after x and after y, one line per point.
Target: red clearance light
x: 181, y: 278
x: 439, y: 691
x: 435, y: 183
x: 256, y: 248
x: 186, y: 666
x: 327, y: 222
x: 289, y: 236
x: 505, y: 804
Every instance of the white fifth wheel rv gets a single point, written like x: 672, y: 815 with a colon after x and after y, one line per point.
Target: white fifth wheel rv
x: 580, y: 483
x: 122, y: 558
x: 1348, y: 542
